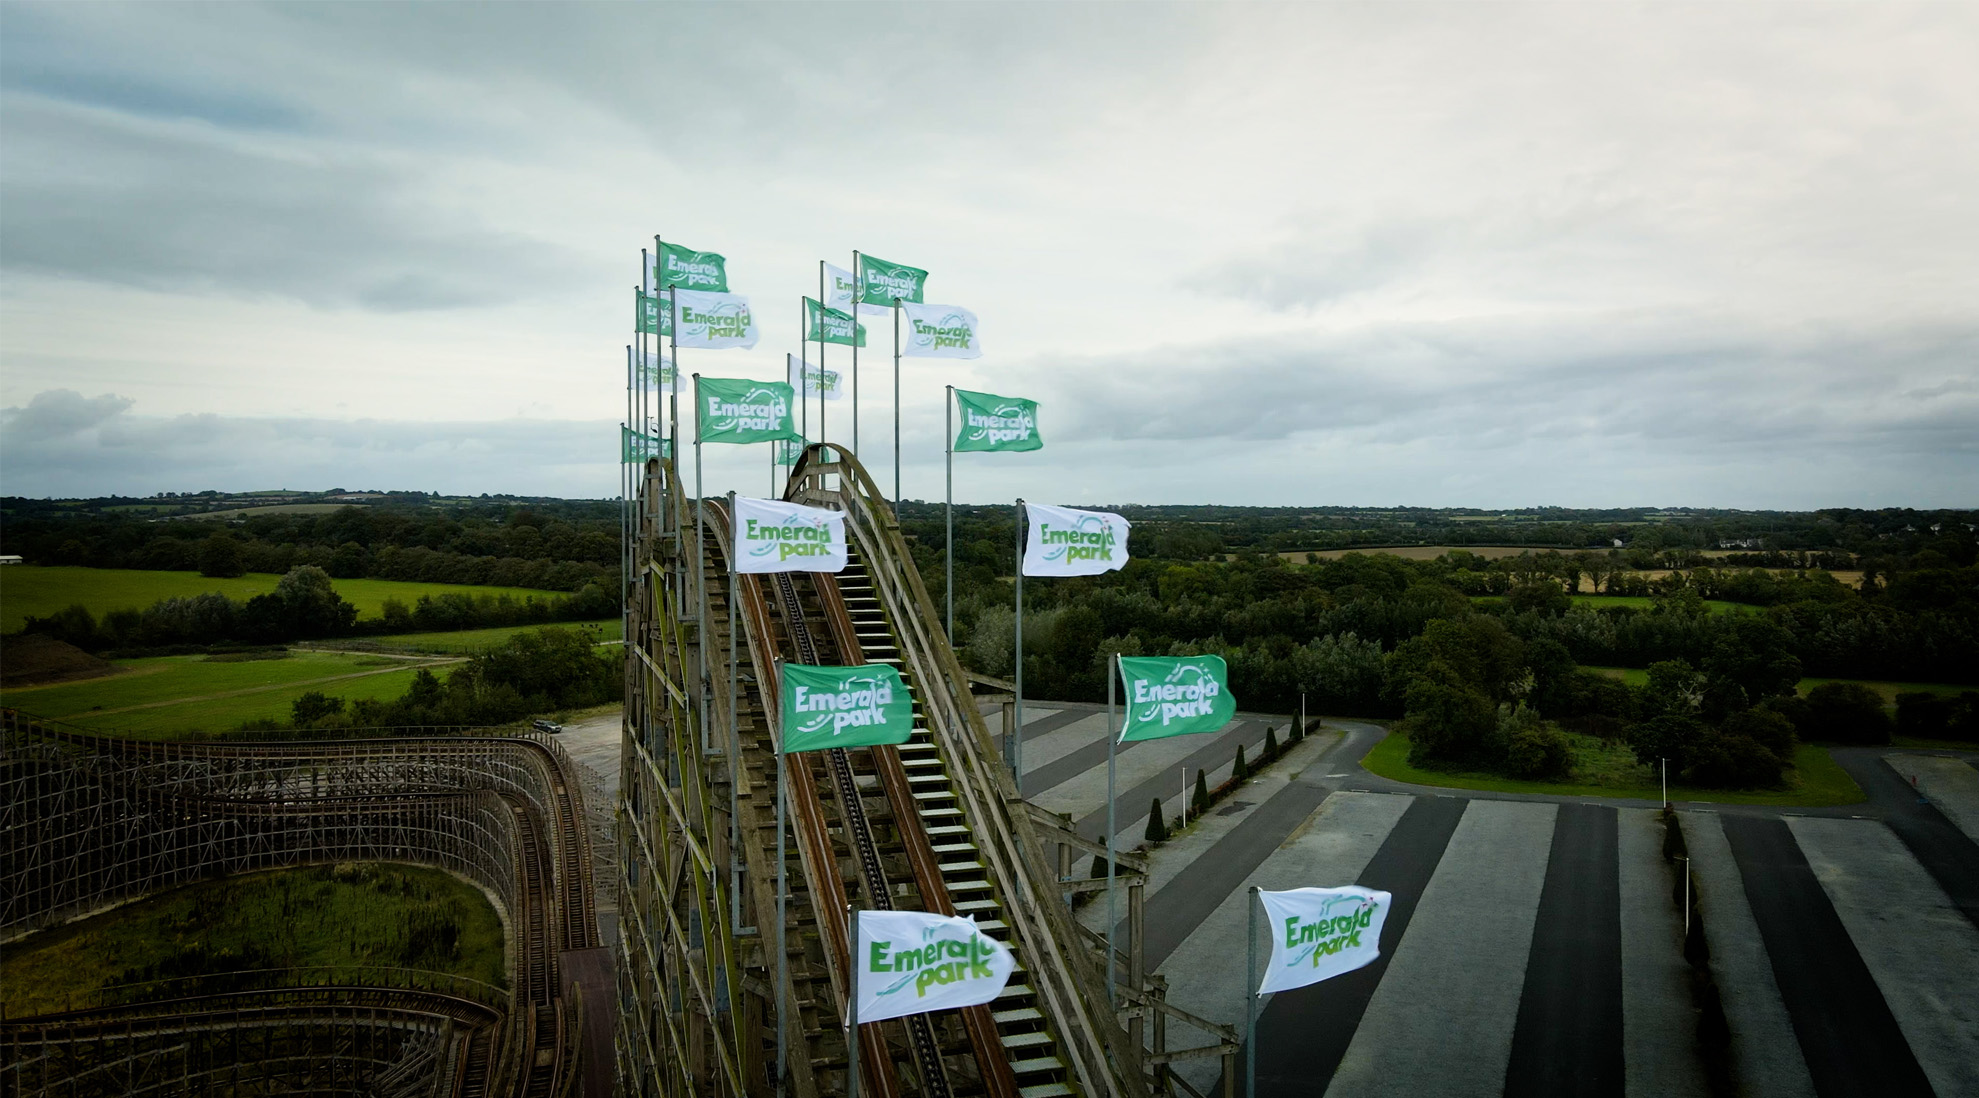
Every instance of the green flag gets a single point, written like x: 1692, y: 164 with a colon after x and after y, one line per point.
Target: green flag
x: 822, y: 322
x: 637, y: 446
x: 739, y: 410
x: 655, y: 314
x: 789, y: 450
x: 994, y: 423
x: 692, y: 270
x: 882, y: 283
x: 827, y: 707
x: 1175, y: 696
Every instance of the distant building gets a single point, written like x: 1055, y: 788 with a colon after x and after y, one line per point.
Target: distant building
x: 10, y: 558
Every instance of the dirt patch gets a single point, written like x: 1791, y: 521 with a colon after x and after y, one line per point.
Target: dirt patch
x: 32, y: 659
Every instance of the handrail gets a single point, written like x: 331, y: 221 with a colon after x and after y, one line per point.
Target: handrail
x: 1067, y: 977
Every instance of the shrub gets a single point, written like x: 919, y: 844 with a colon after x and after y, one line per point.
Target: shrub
x: 1767, y: 728
x: 315, y: 709
x: 1243, y: 769
x: 1199, y: 800
x: 1726, y: 759
x: 1540, y: 753
x: 1924, y: 715
x: 1270, y: 744
x: 1846, y: 712
x: 1157, y: 831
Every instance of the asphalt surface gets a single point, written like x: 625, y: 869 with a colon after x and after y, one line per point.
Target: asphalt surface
x: 1568, y: 1039
x: 1847, y: 1034
x: 1939, y: 846
x: 1133, y: 802
x: 1302, y: 1034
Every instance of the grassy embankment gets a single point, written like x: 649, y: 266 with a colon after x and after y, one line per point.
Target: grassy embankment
x: 392, y: 916
x: 170, y: 696
x: 31, y: 590
x: 466, y: 642
x: 1607, y: 769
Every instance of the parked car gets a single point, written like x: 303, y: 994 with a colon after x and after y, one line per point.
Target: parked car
x: 546, y: 726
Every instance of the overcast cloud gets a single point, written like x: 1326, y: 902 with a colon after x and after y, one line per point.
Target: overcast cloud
x: 1440, y: 254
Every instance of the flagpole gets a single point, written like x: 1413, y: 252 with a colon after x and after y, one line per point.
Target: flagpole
x: 1250, y: 1000
x: 858, y: 292
x: 821, y: 350
x: 896, y: 399
x: 803, y: 367
x: 700, y: 574
x: 1112, y: 672
x: 782, y: 904
x: 852, y: 1004
x: 734, y: 740
x: 948, y: 507
x: 1015, y: 748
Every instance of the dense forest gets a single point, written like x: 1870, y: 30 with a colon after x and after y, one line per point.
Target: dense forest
x: 1485, y: 658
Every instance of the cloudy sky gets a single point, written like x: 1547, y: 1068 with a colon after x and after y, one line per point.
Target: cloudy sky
x: 1438, y: 254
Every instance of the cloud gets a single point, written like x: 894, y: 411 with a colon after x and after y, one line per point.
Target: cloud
x: 59, y: 413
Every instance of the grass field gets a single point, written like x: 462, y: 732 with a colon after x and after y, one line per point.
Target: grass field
x: 1636, y: 676
x: 31, y: 590
x: 466, y: 642
x: 1817, y: 779
x: 1635, y: 602
x: 391, y: 916
x: 170, y: 696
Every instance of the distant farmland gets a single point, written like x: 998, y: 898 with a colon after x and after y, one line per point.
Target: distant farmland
x: 31, y: 590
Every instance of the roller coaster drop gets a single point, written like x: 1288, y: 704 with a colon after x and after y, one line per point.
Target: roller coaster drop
x: 935, y: 824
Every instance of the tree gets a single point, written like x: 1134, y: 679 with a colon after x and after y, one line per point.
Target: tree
x: 1157, y: 831
x: 1846, y: 712
x: 1756, y: 654
x: 314, y: 709
x: 220, y: 557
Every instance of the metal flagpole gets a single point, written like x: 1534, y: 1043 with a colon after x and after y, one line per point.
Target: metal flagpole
x: 782, y: 906
x: 1250, y: 1000
x: 821, y: 350
x: 1112, y: 733
x: 1015, y: 748
x: 858, y: 292
x: 852, y: 1004
x: 896, y: 405
x: 734, y: 743
x: 700, y: 575
x: 803, y: 368
x: 948, y: 509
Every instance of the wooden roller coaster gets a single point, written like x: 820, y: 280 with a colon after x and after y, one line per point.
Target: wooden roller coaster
x: 87, y: 821
x: 934, y: 824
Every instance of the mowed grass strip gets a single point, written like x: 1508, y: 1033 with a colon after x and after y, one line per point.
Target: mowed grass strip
x: 368, y: 914
x: 466, y: 642
x: 31, y: 590
x: 185, y: 695
x: 1817, y: 778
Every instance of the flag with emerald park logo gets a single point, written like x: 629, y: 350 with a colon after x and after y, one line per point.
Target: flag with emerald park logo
x: 1319, y: 933
x: 912, y: 962
x: 1175, y: 696
x: 690, y: 270
x: 1065, y: 541
x: 654, y: 315
x: 826, y: 707
x: 993, y: 423
x: 882, y: 283
x: 637, y: 446
x: 774, y: 536
x: 714, y: 320
x: 940, y: 331
x: 827, y: 325
x: 737, y: 410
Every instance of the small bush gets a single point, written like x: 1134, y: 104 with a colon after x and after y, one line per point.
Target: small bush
x: 1270, y: 743
x: 1846, y: 712
x: 1199, y: 800
x: 1539, y: 753
x: 1157, y: 831
x: 1729, y: 760
x: 1243, y: 769
x: 1924, y: 715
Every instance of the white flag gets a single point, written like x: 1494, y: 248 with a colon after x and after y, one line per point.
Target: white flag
x: 939, y: 331
x: 715, y: 320
x: 838, y: 288
x: 911, y: 962
x: 774, y: 536
x: 1319, y: 933
x: 1065, y: 542
x: 813, y: 378
x: 658, y: 371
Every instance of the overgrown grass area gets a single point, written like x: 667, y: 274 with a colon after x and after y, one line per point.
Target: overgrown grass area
x: 466, y: 642
x: 1606, y: 769
x: 1643, y: 602
x: 186, y: 695
x: 31, y: 590
x: 394, y: 916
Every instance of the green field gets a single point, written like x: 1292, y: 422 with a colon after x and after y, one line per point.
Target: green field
x: 169, y: 696
x: 31, y: 590
x: 466, y: 642
x: 1636, y: 602
x: 390, y: 916
x: 1636, y: 676
x: 1817, y: 780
